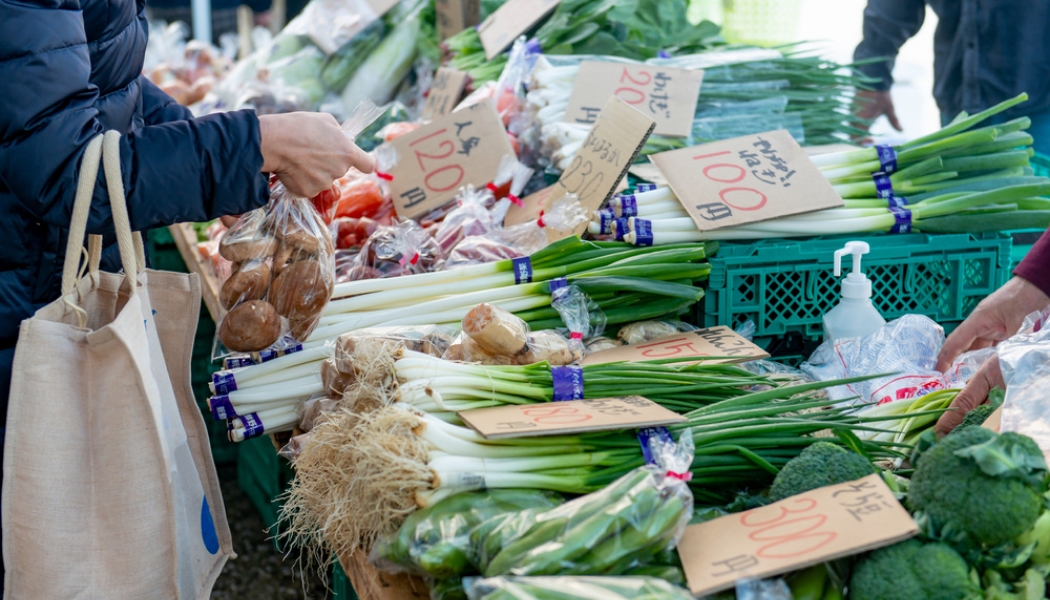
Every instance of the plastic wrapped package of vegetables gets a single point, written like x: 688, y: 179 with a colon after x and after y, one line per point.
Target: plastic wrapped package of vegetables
x: 435, y: 541
x: 493, y: 336
x: 622, y: 526
x: 573, y: 588
x: 403, y: 248
x: 283, y: 274
x: 470, y: 218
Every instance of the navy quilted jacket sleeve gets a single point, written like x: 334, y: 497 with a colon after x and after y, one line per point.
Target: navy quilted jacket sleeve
x: 175, y: 169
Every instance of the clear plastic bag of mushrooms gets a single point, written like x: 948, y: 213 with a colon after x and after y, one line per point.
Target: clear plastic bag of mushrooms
x: 283, y: 274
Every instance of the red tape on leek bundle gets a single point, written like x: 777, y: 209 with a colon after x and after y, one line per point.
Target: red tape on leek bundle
x: 510, y: 180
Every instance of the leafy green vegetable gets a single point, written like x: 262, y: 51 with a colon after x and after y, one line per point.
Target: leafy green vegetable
x: 817, y: 466
x: 914, y: 571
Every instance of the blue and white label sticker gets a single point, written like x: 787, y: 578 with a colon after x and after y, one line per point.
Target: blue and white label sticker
x: 291, y: 349
x: 896, y: 201
x: 237, y: 362
x: 268, y: 355
x: 887, y: 158
x: 556, y: 284
x: 620, y: 226
x: 902, y: 216
x: 568, y: 383
x: 222, y: 408
x: 522, y: 270
x: 883, y: 185
x: 645, y: 187
x: 643, y: 232
x: 644, y: 435
x: 605, y: 220
x: 253, y: 427
x: 223, y: 382
x: 663, y: 54
x: 629, y: 205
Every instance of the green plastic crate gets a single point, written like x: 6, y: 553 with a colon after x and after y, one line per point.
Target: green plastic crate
x: 262, y: 475
x: 786, y: 286
x: 341, y: 587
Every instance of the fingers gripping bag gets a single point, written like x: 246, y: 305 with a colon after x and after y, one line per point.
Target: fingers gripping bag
x: 573, y: 588
x: 625, y: 525
x: 435, y: 541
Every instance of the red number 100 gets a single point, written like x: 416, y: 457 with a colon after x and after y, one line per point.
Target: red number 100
x: 739, y: 193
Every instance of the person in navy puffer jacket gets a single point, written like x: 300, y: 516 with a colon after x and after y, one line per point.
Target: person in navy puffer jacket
x: 70, y: 70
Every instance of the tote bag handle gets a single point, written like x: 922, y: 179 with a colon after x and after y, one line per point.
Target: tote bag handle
x: 105, y: 148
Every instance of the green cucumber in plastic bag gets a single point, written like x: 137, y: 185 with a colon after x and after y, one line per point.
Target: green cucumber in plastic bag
x: 342, y: 65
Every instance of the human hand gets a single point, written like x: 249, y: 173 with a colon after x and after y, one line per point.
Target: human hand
x: 308, y: 151
x: 229, y: 220
x: 996, y: 318
x: 871, y: 104
x: 987, y: 378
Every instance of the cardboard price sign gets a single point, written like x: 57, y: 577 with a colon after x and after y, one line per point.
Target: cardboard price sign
x: 454, y: 16
x: 665, y: 94
x: 745, y: 179
x: 648, y: 172
x: 818, y: 526
x: 444, y: 93
x: 605, y: 155
x: 442, y: 156
x: 713, y: 341
x: 573, y: 416
x: 511, y: 20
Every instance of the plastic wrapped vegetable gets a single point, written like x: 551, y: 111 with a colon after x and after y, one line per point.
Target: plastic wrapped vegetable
x: 645, y: 331
x: 436, y: 541
x: 624, y: 526
x: 368, y: 354
x: 470, y: 218
x: 496, y: 330
x: 400, y: 249
x: 581, y: 315
x: 573, y: 588
x: 378, y: 76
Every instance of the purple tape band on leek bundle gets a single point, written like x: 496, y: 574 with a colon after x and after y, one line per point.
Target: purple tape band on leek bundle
x: 223, y: 382
x: 645, y: 187
x: 902, y: 216
x: 629, y: 205
x: 643, y: 232
x: 621, y: 229
x: 268, y: 355
x: 222, y: 408
x: 883, y: 185
x: 522, y: 270
x: 896, y: 201
x: 644, y: 435
x: 605, y: 220
x: 568, y: 383
x: 238, y: 362
x: 291, y: 349
x: 533, y: 46
x: 558, y: 283
x: 663, y: 54
x: 887, y: 158
x: 253, y: 427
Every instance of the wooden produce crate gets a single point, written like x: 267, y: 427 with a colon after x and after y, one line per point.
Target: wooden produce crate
x: 372, y: 584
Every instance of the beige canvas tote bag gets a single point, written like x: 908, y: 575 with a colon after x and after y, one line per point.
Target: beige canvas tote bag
x: 109, y: 490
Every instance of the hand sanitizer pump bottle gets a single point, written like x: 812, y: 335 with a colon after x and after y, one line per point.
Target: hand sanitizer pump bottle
x: 854, y: 315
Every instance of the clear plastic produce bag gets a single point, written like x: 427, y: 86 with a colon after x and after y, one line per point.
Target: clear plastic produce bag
x: 622, y: 526
x: 573, y: 588
x: 435, y: 541
x: 906, y: 347
x: 471, y: 217
x: 582, y: 316
x: 493, y: 336
x: 403, y: 248
x: 1025, y: 363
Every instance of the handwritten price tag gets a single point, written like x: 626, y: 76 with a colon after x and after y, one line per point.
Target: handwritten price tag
x: 825, y: 524
x: 607, y: 152
x: 665, y: 94
x: 444, y: 93
x: 745, y: 179
x: 511, y: 20
x: 454, y: 16
x: 713, y: 341
x: 573, y: 416
x: 437, y: 159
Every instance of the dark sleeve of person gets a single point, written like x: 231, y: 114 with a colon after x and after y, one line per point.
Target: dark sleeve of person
x: 1035, y: 268
x: 158, y: 107
x: 887, y: 25
x: 259, y: 5
x: 179, y: 171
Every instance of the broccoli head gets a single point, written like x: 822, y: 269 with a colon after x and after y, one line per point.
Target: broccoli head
x: 914, y: 571
x: 981, y: 484
x: 976, y: 417
x: 821, y: 464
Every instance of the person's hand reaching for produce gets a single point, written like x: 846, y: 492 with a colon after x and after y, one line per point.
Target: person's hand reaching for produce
x: 987, y: 378
x: 308, y: 151
x: 996, y: 318
x: 872, y: 104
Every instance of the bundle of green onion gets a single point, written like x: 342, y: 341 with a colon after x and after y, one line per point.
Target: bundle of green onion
x: 362, y: 473
x: 959, y: 179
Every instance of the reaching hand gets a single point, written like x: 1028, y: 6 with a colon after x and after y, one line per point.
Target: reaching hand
x: 987, y: 378
x: 996, y: 318
x: 871, y: 104
x: 308, y: 151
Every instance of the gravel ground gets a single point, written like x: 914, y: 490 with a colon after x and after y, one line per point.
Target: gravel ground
x: 259, y: 572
